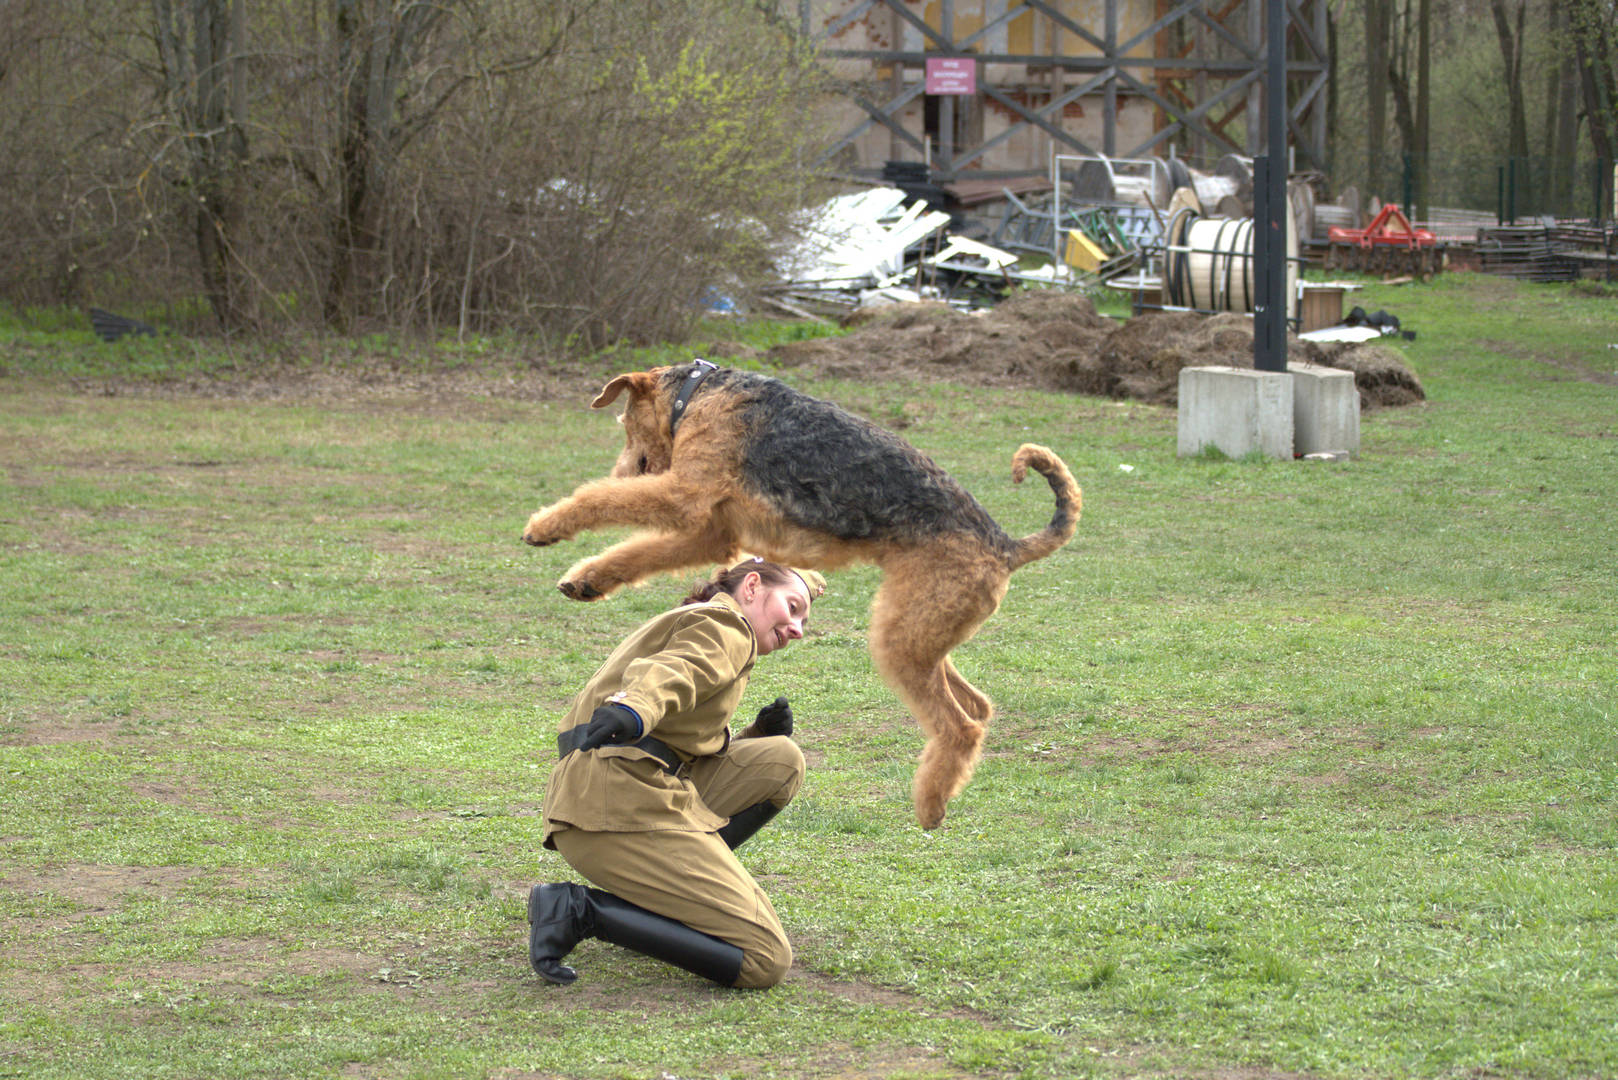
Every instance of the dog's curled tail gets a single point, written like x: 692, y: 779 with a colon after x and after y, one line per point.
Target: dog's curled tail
x: 1069, y: 502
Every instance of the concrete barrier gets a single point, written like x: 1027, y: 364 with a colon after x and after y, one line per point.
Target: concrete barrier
x: 1237, y: 410
x: 1325, y: 410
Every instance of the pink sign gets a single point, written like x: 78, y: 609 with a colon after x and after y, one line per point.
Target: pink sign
x: 952, y: 75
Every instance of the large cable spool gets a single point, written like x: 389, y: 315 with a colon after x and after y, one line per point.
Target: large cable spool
x: 1210, y: 264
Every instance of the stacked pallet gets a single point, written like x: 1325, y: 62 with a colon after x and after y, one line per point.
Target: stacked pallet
x: 1594, y: 247
x: 1523, y: 251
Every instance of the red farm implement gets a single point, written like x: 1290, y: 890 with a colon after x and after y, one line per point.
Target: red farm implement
x: 1388, y: 245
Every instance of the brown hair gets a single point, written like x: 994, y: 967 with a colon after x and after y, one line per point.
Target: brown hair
x: 728, y: 581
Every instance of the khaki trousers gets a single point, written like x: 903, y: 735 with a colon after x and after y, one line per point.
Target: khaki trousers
x: 692, y: 876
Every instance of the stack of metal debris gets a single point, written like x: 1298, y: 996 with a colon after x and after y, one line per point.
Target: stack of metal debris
x: 1101, y: 241
x: 1106, y: 217
x: 1549, y: 250
x: 1590, y: 244
x: 1524, y: 251
x: 881, y: 246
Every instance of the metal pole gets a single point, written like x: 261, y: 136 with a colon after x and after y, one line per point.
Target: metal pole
x: 1109, y: 111
x: 1510, y: 191
x: 1270, y: 244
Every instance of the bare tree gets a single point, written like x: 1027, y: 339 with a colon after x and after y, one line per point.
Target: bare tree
x: 1591, y: 24
x: 1409, y: 80
x: 385, y: 96
x: 1401, y: 81
x: 200, y: 46
x: 1377, y: 32
x: 580, y: 171
x: 1424, y: 95
x: 1561, y: 107
x: 1508, y: 28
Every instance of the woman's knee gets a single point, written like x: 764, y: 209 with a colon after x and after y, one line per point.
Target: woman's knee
x: 766, y: 966
x: 787, y: 757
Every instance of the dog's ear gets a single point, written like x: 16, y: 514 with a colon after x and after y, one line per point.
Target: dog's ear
x: 638, y: 383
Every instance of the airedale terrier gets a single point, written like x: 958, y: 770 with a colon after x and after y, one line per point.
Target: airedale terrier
x: 718, y: 461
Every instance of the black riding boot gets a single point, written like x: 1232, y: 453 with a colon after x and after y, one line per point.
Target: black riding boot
x: 663, y: 938
x: 563, y: 915
x: 558, y: 919
x: 744, y: 823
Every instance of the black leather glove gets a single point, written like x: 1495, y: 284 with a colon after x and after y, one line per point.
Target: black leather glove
x: 774, y: 718
x: 609, y: 724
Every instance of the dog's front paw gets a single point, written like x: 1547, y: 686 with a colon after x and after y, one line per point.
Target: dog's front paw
x: 541, y: 532
x: 579, y: 590
x: 591, y: 579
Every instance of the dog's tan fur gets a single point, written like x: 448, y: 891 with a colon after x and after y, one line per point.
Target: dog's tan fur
x: 692, y: 497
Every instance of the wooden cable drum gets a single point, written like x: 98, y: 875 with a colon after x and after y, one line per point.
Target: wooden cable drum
x: 1175, y: 264
x: 1210, y: 264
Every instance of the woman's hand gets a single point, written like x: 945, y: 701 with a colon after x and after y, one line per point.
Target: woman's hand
x: 774, y: 718
x: 612, y: 724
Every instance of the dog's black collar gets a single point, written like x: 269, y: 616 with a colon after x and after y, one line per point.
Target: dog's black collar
x: 699, y: 371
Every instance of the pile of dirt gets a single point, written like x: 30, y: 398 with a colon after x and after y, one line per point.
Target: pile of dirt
x: 1041, y: 339
x: 1056, y: 341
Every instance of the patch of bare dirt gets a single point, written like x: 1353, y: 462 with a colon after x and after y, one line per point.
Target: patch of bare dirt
x: 1057, y: 341
x: 89, y: 889
x: 471, y: 393
x: 865, y: 993
x: 56, y: 731
x: 1573, y: 368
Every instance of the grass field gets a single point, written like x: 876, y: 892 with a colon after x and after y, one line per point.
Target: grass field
x: 1301, y: 769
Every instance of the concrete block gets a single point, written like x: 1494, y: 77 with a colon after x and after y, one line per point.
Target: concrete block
x: 1325, y: 410
x: 1238, y: 410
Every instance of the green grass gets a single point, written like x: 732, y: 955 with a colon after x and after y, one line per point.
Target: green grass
x: 1301, y: 769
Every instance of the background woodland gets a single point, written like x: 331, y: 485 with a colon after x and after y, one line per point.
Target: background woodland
x: 581, y: 171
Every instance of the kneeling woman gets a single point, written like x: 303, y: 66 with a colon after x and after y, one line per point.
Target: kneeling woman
x: 652, y: 796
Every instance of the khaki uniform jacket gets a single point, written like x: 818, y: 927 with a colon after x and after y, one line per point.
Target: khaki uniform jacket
x: 684, y: 672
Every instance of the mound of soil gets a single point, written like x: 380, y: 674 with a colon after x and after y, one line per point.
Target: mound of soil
x: 1040, y: 339
x: 1056, y: 341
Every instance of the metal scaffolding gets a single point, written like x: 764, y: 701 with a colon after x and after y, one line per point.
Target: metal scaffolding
x: 1045, y: 67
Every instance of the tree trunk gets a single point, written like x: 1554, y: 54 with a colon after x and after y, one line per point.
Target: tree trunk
x: 205, y: 89
x: 1423, y: 149
x: 1592, y: 37
x: 353, y: 165
x: 1511, y: 52
x: 1566, y: 146
x: 368, y: 68
x: 1404, y: 114
x: 1553, y: 79
x: 1376, y: 91
x: 1553, y: 104
x: 1399, y: 86
x: 1332, y: 71
x: 377, y: 45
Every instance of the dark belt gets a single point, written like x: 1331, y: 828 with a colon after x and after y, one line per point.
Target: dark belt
x: 569, y: 740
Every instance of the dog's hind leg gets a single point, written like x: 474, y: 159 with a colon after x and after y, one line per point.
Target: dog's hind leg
x: 976, y: 704
x: 922, y: 611
x: 946, y: 764
x: 642, y: 556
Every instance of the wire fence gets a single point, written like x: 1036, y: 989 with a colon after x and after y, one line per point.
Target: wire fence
x: 1513, y: 189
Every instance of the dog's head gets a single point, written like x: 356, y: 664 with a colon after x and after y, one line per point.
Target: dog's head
x: 648, y: 446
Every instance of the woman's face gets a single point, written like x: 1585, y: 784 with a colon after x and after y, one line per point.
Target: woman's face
x: 776, y: 612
